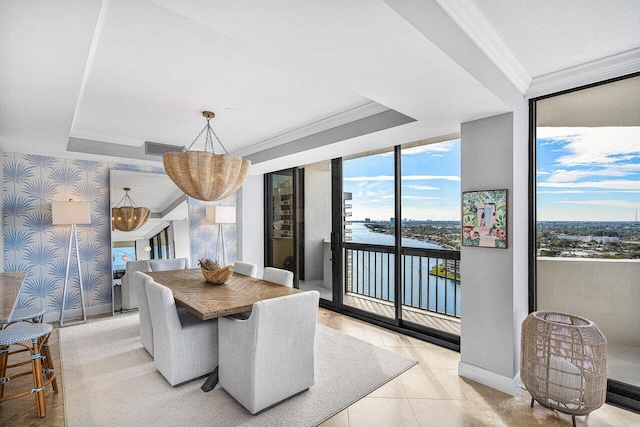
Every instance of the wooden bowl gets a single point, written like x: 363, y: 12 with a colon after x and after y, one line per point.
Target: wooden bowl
x: 219, y: 276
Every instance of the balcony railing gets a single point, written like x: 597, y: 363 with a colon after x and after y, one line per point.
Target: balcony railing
x: 431, y: 277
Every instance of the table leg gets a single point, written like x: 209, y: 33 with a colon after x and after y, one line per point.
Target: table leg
x: 211, y: 382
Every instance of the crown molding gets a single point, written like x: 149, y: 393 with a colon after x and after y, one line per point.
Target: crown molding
x: 590, y: 72
x: 473, y: 23
x: 357, y: 113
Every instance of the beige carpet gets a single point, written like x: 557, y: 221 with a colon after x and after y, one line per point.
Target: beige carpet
x: 110, y: 380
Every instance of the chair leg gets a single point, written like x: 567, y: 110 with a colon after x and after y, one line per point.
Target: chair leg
x: 4, y: 354
x: 47, y: 362
x: 38, y: 389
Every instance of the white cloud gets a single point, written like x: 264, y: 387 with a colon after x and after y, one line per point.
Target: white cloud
x: 609, y: 203
x: 420, y: 187
x: 438, y: 147
x: 562, y: 175
x: 564, y: 192
x: 421, y: 197
x: 608, y: 184
x: 595, y: 146
x: 404, y: 178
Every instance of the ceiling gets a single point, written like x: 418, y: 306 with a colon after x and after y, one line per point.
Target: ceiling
x: 289, y: 80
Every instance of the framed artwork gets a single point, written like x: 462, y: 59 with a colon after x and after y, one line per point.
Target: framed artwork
x: 484, y: 219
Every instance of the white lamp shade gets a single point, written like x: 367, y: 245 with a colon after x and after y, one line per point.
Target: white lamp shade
x: 220, y: 214
x: 70, y: 212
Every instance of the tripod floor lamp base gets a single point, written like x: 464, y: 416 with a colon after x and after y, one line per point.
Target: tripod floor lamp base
x: 65, y: 213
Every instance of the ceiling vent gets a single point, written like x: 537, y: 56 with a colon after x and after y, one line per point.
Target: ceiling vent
x: 157, y: 149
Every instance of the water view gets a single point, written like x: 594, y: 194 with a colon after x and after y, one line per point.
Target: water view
x: 373, y: 272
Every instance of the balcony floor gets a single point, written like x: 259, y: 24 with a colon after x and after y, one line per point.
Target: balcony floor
x: 414, y: 315
x: 386, y: 309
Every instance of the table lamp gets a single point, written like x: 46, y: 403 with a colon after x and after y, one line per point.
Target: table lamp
x: 220, y: 215
x: 71, y: 213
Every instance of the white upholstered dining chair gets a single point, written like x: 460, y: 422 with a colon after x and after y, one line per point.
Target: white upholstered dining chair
x: 245, y: 268
x: 269, y: 357
x: 278, y: 275
x: 184, y: 347
x: 138, y: 282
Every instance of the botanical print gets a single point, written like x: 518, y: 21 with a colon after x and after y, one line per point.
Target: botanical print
x: 484, y: 219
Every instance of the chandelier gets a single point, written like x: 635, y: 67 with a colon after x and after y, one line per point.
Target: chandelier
x: 128, y: 216
x: 205, y: 175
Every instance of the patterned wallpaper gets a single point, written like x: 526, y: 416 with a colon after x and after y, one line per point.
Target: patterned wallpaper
x: 31, y: 243
x: 203, y: 237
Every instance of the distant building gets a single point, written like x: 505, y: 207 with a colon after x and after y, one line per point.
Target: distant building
x: 367, y: 220
x: 392, y: 221
x: 597, y: 239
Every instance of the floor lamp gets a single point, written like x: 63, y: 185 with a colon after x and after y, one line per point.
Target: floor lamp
x: 220, y: 215
x: 71, y: 213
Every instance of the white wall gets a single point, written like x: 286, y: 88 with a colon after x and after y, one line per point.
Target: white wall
x: 250, y: 220
x: 607, y: 292
x: 492, y: 307
x: 141, y: 254
x: 317, y: 218
x: 180, y: 230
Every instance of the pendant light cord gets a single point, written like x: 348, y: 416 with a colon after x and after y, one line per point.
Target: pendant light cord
x: 208, y: 144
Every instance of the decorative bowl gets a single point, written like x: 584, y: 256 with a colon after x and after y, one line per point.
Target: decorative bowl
x: 212, y: 273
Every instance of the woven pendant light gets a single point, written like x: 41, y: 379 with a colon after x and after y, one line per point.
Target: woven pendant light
x: 128, y: 217
x: 205, y: 175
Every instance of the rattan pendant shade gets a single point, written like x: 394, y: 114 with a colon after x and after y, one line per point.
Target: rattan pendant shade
x: 205, y: 175
x: 128, y: 217
x: 564, y: 362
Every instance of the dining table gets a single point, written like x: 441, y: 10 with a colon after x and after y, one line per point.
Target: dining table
x: 209, y: 301
x: 10, y: 285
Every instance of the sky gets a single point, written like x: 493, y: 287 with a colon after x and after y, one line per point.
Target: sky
x: 588, y: 174
x: 430, y: 183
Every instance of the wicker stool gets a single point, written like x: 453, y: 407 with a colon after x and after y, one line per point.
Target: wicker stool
x: 20, y: 334
x: 33, y: 315
x: 564, y: 362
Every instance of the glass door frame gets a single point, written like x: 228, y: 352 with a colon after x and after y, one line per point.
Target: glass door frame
x: 619, y: 394
x: 338, y: 264
x: 298, y: 221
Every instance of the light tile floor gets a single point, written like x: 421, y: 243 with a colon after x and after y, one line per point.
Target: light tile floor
x: 432, y: 393
x: 429, y: 394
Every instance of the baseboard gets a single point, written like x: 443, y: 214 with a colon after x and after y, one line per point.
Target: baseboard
x: 490, y: 379
x: 71, y: 315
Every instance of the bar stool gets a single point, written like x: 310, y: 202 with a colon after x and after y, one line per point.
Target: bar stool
x: 21, y: 333
x: 32, y: 315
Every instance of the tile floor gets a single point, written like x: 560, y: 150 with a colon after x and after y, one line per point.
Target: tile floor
x: 429, y: 394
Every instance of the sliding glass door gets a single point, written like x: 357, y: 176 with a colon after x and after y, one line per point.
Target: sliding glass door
x: 399, y: 213
x: 586, y: 251
x: 284, y: 221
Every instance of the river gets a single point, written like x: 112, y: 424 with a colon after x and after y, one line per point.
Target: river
x: 370, y: 276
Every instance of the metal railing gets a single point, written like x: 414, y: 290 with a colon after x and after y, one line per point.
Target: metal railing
x: 431, y: 277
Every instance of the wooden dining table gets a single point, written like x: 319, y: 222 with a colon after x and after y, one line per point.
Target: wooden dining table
x: 10, y: 285
x: 208, y: 301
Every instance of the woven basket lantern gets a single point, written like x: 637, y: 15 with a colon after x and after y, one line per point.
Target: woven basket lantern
x: 205, y: 175
x: 128, y: 217
x: 564, y: 362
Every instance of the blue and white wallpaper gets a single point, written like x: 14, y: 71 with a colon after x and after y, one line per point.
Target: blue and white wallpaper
x: 32, y: 243
x: 203, y: 237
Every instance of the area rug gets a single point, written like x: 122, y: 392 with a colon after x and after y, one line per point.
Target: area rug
x: 110, y: 380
